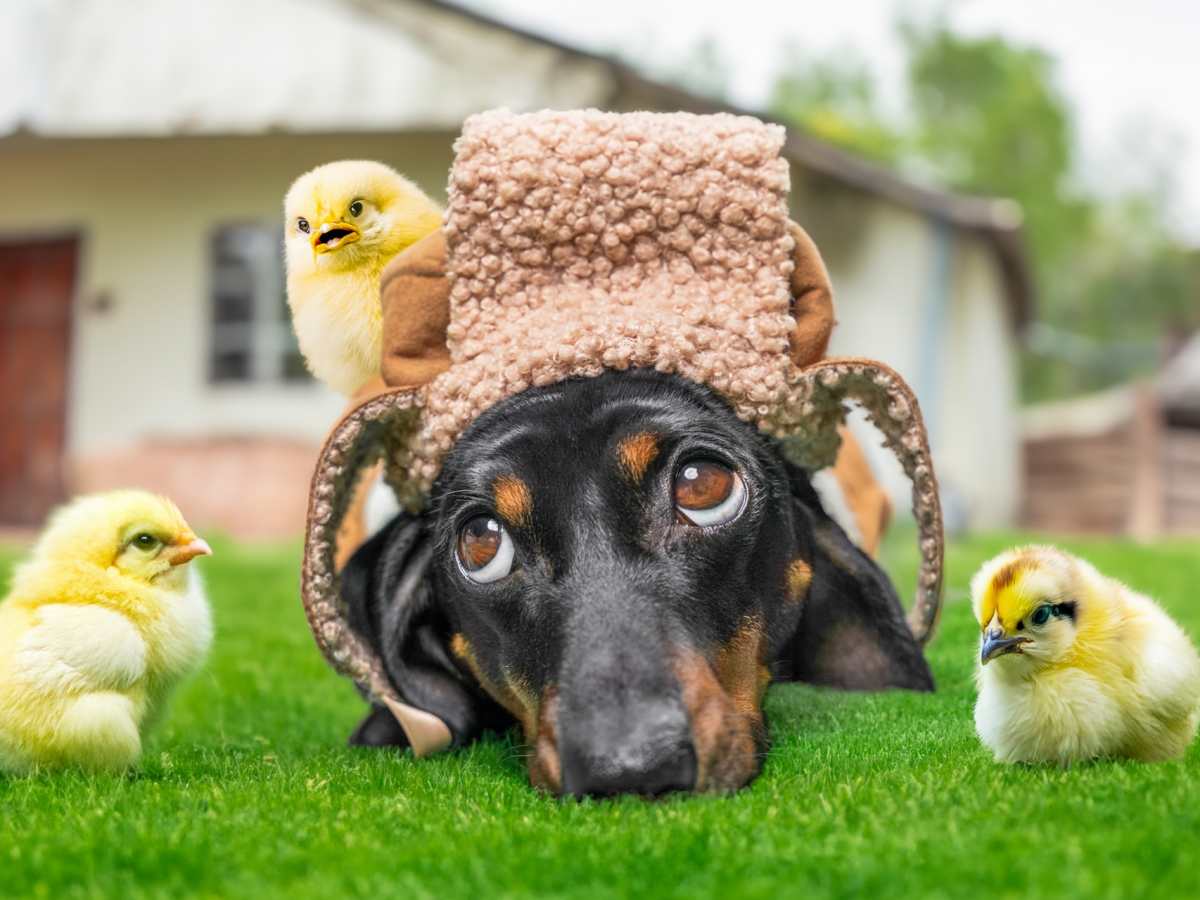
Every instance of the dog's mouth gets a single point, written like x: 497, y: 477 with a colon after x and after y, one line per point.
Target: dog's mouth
x: 331, y: 237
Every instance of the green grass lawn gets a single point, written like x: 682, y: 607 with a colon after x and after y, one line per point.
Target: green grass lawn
x: 249, y: 789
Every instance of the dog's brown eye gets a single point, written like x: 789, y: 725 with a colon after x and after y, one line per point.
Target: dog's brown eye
x: 702, y: 485
x: 708, y: 493
x: 479, y: 542
x: 485, y: 550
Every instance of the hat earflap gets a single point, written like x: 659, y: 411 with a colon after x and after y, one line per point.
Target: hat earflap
x: 820, y: 403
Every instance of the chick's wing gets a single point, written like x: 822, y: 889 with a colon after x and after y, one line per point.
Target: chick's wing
x: 80, y: 648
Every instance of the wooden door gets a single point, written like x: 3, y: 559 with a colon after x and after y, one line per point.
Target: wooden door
x: 37, y: 283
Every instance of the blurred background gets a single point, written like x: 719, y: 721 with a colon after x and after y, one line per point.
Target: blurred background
x: 1007, y: 195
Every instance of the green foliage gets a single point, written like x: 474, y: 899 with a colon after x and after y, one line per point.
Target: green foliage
x: 249, y: 790
x: 985, y: 116
x: 834, y: 99
x: 1135, y: 259
x: 989, y: 119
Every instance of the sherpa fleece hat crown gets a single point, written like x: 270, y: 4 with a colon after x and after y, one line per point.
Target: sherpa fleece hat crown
x: 576, y: 242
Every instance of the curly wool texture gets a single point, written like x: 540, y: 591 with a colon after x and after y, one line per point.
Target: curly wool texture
x: 619, y: 240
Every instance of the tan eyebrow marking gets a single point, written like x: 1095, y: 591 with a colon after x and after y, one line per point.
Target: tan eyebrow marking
x: 799, y: 577
x: 513, y: 500
x: 637, y: 452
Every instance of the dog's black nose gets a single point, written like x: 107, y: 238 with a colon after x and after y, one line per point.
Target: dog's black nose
x: 649, y: 764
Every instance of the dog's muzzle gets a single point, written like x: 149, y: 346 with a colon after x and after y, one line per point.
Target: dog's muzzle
x: 651, y: 754
x: 638, y: 710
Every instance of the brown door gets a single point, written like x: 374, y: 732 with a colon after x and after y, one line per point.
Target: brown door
x: 37, y: 282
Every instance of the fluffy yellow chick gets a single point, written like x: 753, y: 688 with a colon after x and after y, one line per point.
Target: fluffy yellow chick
x: 1075, y: 666
x: 344, y: 222
x: 101, y: 623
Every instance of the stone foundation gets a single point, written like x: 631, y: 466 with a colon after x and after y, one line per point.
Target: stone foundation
x: 248, y: 488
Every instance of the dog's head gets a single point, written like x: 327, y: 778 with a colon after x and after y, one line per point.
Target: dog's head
x: 622, y: 566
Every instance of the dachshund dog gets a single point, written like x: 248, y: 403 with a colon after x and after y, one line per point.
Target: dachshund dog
x: 622, y: 566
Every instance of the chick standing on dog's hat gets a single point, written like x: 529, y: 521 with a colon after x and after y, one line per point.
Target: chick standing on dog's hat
x: 343, y: 222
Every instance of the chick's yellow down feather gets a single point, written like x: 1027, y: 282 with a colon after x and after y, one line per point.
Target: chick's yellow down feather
x: 1076, y: 666
x: 102, y: 621
x: 344, y: 221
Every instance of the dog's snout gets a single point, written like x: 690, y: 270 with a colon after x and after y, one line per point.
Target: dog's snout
x: 648, y: 760
x: 649, y: 775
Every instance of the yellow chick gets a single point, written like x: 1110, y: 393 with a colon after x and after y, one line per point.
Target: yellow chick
x: 344, y: 222
x: 101, y: 623
x: 1076, y: 666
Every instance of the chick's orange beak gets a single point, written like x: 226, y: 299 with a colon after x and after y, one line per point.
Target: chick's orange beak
x: 178, y: 554
x: 332, y: 235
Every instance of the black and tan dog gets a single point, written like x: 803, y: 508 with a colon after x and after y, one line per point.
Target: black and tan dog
x: 622, y: 566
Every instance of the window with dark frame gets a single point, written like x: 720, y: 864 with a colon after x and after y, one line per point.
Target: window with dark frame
x: 251, y: 332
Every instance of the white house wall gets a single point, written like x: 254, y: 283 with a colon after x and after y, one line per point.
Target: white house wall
x: 979, y: 436
x: 888, y: 299
x: 146, y: 210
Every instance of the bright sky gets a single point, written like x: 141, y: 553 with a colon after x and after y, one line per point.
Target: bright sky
x: 1131, y: 67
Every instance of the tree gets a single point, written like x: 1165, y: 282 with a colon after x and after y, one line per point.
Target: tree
x: 986, y: 116
x: 834, y: 98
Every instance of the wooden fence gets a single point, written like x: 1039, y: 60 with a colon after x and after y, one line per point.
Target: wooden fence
x: 1138, y: 477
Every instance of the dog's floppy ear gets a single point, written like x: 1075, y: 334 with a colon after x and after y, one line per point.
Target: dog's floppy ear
x: 812, y: 300
x: 390, y: 603
x: 852, y: 632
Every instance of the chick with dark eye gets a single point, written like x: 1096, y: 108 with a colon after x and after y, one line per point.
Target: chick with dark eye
x: 335, y: 261
x: 147, y: 542
x: 707, y: 493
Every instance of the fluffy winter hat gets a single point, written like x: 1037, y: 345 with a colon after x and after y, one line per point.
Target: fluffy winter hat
x: 576, y: 242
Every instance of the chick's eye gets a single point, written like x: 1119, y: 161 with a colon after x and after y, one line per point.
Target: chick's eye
x: 485, y: 550
x: 1041, y: 615
x: 302, y: 224
x: 708, y: 493
x: 146, y: 541
x: 356, y: 208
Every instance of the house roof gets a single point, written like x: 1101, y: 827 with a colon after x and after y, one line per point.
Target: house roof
x: 228, y: 67
x: 177, y: 69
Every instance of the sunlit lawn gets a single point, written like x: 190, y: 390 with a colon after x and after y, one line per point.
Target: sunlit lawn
x: 249, y: 789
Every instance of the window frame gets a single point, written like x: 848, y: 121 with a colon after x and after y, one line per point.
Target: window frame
x: 266, y: 337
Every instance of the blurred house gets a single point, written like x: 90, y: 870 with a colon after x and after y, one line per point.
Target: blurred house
x: 1124, y: 461
x: 144, y: 153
